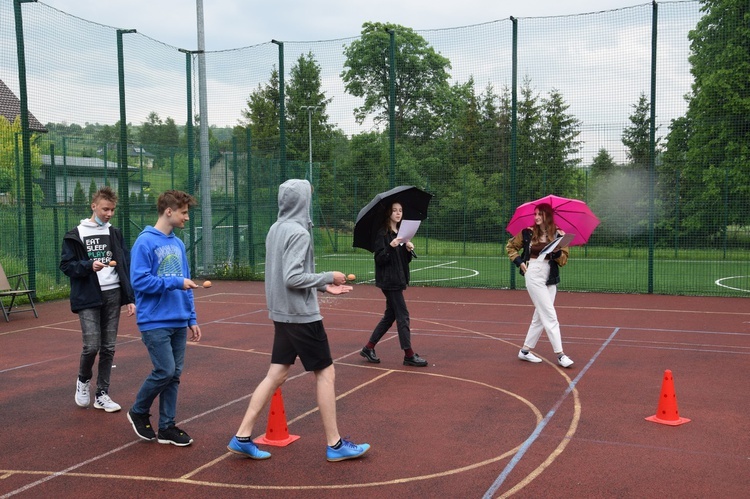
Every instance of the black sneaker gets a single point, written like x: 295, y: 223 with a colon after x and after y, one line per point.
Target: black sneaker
x: 415, y: 360
x: 175, y: 436
x: 142, y: 425
x: 369, y: 354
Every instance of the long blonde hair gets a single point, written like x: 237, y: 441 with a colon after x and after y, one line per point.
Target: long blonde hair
x: 548, y: 221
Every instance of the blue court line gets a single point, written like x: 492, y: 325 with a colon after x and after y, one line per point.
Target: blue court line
x: 538, y: 430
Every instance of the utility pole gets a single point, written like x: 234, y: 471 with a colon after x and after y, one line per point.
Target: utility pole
x: 206, y: 218
x: 310, y: 110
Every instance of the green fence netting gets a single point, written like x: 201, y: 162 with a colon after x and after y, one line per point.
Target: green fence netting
x: 641, y: 112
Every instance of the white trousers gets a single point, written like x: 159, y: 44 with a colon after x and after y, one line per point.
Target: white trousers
x: 543, y: 298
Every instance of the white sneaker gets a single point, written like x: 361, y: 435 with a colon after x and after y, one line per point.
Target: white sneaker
x: 530, y: 357
x: 564, y: 361
x: 104, y: 402
x: 83, y: 398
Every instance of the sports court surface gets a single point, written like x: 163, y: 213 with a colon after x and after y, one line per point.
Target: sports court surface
x: 477, y: 422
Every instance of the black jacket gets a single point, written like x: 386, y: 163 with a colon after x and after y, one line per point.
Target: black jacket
x: 85, y: 291
x: 391, y: 264
x: 522, y: 242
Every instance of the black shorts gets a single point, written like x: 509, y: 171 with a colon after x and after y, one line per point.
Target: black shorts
x: 308, y: 341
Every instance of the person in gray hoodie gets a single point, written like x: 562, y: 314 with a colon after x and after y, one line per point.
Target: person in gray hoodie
x: 291, y: 296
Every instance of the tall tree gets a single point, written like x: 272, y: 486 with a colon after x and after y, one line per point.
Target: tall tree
x: 170, y: 135
x: 109, y: 134
x: 304, y: 89
x: 637, y: 136
x: 79, y: 197
x: 530, y: 179
x: 262, y: 116
x: 628, y: 205
x: 495, y: 123
x: 605, y: 196
x: 159, y: 137
x: 602, y: 164
x: 670, y: 173
x: 718, y: 143
x: 421, y: 76
x: 10, y: 135
x: 464, y: 118
x: 149, y: 132
x: 559, y: 144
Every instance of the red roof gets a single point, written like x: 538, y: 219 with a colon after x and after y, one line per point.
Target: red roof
x: 10, y: 108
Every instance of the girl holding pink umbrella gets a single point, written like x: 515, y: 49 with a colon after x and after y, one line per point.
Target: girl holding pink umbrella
x: 542, y: 276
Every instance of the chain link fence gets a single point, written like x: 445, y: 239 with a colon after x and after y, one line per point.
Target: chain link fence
x: 606, y: 107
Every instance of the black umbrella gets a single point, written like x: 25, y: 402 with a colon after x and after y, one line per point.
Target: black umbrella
x: 414, y: 201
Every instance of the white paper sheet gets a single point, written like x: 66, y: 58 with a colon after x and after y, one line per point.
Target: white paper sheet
x: 560, y: 241
x: 407, y: 230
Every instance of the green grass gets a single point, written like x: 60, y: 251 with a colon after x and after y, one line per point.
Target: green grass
x: 600, y: 269
x: 679, y: 277
x: 440, y: 263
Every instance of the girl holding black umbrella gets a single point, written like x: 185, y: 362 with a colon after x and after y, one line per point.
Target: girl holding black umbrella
x: 392, y: 258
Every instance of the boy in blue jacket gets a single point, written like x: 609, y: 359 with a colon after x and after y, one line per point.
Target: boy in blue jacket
x: 164, y: 298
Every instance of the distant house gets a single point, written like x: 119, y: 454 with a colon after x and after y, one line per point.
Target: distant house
x: 10, y: 108
x: 60, y: 180
x: 136, y: 154
x: 222, y: 172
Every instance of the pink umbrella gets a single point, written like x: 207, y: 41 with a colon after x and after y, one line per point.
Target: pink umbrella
x: 571, y: 215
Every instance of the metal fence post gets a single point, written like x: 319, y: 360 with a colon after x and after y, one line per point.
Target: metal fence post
x: 190, y: 147
x: 123, y: 186
x: 26, y: 146
x: 282, y: 112
x: 392, y: 106
x: 513, y: 135
x: 652, y: 151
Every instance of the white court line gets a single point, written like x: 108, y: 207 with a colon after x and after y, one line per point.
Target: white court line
x: 415, y: 270
x: 539, y: 427
x: 472, y: 272
x: 23, y: 366
x: 718, y: 283
x: 125, y: 446
x: 445, y: 265
x: 119, y: 343
x: 435, y: 266
x: 67, y: 470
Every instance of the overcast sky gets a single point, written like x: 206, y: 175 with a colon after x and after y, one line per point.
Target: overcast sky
x: 241, y: 23
x: 600, y: 63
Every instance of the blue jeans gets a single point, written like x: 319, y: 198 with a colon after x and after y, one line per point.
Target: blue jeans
x: 166, y: 347
x: 99, y: 328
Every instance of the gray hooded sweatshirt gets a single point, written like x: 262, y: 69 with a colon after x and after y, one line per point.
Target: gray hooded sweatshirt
x: 291, y: 281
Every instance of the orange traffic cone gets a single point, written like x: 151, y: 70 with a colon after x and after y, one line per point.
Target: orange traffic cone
x: 666, y: 412
x: 277, y: 432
